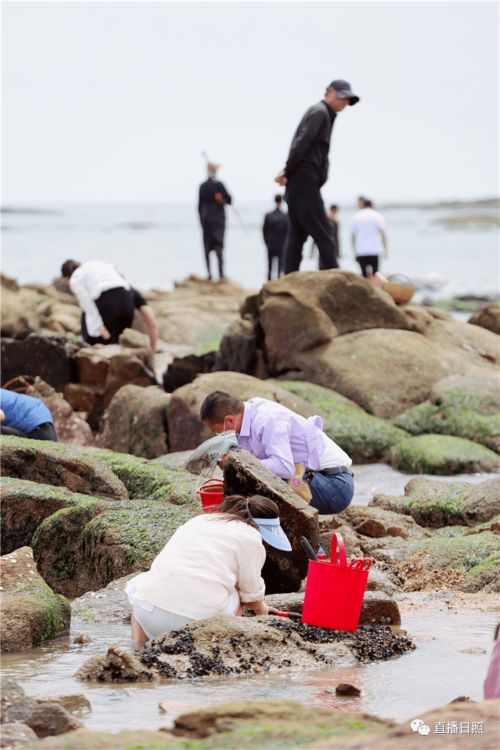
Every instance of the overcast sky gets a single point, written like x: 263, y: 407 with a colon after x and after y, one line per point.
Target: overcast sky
x: 115, y: 101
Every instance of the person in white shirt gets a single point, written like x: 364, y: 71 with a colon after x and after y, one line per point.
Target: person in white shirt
x: 211, y: 565
x: 369, y: 237
x: 108, y: 302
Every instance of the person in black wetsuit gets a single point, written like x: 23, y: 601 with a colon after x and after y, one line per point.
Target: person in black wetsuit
x: 306, y: 170
x: 212, y: 200
x: 274, y: 230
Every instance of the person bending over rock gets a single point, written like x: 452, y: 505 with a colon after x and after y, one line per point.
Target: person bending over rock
x: 25, y: 416
x: 211, y: 565
x: 282, y: 440
x: 107, y: 300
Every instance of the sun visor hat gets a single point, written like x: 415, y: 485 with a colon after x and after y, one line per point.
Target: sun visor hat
x: 344, y: 91
x: 272, y: 533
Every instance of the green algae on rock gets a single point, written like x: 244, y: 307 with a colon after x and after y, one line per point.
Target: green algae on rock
x: 60, y: 465
x: 442, y: 454
x: 459, y: 412
x: 363, y: 436
x: 31, y: 612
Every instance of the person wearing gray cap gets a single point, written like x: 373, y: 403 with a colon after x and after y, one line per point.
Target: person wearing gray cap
x: 306, y: 170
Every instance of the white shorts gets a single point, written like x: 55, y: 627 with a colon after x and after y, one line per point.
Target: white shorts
x: 154, y: 620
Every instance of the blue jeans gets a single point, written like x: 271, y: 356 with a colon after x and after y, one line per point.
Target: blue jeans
x: 331, y: 494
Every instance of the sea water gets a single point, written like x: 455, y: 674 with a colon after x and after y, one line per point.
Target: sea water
x: 156, y: 244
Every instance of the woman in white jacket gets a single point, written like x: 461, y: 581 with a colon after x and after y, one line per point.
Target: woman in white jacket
x: 211, y: 565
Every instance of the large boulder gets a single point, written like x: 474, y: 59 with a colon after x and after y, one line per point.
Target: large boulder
x: 468, y: 409
x: 246, y: 475
x: 442, y: 454
x: 31, y: 612
x: 136, y: 422
x: 303, y: 311
x: 52, y: 463
x: 384, y: 370
x: 50, y: 358
x: 185, y: 429
x: 50, y: 719
x: 70, y: 427
x: 364, y: 437
x: 488, y: 317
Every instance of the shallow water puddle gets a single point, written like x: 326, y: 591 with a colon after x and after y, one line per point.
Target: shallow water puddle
x: 451, y: 659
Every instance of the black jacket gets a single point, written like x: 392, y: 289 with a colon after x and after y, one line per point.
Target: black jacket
x: 275, y: 229
x: 212, y: 211
x: 310, y: 145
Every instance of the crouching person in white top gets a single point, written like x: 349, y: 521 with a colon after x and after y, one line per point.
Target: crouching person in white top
x: 211, y: 565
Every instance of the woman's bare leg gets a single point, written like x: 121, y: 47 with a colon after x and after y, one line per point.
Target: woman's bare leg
x: 139, y: 637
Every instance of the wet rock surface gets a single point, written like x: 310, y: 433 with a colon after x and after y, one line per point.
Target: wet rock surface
x: 70, y: 427
x: 223, y: 646
x: 136, y: 422
x: 49, y: 463
x: 283, y: 571
x: 488, y: 317
x: 49, y: 719
x: 15, y: 705
x: 442, y: 454
x: 31, y: 612
x: 15, y: 734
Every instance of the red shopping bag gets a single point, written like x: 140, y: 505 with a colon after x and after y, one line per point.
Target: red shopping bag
x: 335, y: 590
x: 211, y: 493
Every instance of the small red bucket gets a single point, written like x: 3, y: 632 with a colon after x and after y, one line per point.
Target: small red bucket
x: 211, y: 494
x: 335, y: 590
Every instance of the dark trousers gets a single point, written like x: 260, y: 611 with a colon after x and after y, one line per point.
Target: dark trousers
x: 307, y: 216
x: 117, y: 308
x: 45, y: 431
x: 274, y: 260
x: 368, y: 264
x: 213, y: 242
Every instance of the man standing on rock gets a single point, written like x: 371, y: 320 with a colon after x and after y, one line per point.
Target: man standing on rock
x: 306, y: 170
x: 282, y: 439
x: 212, y: 200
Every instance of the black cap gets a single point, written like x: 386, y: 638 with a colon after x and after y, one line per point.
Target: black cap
x: 344, y: 91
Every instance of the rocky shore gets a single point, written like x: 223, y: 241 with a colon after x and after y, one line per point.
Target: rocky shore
x: 407, y: 386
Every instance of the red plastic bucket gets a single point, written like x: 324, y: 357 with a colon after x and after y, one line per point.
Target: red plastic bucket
x: 211, y: 494
x: 335, y: 590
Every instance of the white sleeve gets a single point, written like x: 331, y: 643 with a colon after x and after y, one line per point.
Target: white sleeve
x: 380, y: 221
x: 93, y: 319
x: 251, y: 556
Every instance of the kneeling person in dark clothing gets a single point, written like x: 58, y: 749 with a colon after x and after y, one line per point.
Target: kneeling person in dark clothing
x: 107, y: 300
x: 25, y: 416
x: 283, y: 440
x: 275, y: 230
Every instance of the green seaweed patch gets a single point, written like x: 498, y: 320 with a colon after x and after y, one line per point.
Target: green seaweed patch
x: 363, y: 436
x: 147, y: 480
x: 464, y: 552
x: 457, y: 412
x: 442, y: 455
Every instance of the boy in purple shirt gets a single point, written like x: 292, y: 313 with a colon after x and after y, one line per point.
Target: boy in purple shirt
x: 280, y: 438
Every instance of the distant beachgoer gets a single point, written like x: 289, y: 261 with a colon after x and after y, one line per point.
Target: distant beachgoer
x: 25, y: 416
x: 492, y: 681
x: 108, y: 302
x: 369, y: 237
x: 211, y: 565
x: 274, y: 230
x: 306, y: 170
x: 284, y: 440
x: 213, y: 198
